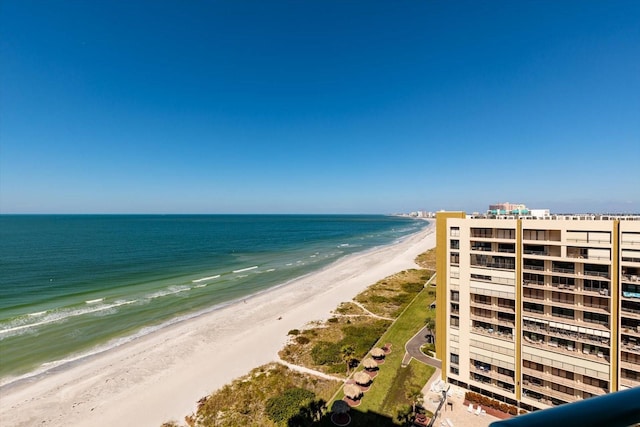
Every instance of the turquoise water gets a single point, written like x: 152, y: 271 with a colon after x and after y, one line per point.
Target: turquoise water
x: 73, y: 285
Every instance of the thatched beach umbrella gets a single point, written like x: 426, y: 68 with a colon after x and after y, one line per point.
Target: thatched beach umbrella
x: 340, y: 407
x: 352, y: 391
x: 369, y: 363
x: 361, y: 378
x: 377, y: 352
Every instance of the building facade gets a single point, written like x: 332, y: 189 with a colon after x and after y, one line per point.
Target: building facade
x: 538, y: 312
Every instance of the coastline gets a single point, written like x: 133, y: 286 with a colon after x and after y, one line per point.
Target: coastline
x: 161, y: 376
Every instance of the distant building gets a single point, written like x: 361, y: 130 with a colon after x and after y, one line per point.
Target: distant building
x: 507, y: 208
x: 537, y: 312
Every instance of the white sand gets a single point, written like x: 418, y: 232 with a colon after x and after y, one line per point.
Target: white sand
x: 161, y: 376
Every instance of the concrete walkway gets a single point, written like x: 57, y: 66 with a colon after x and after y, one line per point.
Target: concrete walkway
x: 412, y: 348
x: 370, y: 313
x: 309, y: 371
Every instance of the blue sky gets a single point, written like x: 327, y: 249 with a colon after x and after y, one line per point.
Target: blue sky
x: 318, y: 106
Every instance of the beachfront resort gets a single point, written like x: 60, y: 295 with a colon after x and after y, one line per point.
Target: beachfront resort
x: 538, y: 310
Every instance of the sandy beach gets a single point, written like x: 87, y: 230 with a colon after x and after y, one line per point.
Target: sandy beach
x: 161, y: 376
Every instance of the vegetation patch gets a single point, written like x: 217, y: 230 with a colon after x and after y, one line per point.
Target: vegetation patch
x: 427, y: 260
x: 252, y: 400
x: 389, y: 395
x: 388, y: 297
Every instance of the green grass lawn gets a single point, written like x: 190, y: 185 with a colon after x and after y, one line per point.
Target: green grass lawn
x: 388, y: 391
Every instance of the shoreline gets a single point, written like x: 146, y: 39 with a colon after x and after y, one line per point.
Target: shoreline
x: 160, y: 377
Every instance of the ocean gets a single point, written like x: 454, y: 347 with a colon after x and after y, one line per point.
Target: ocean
x: 76, y: 285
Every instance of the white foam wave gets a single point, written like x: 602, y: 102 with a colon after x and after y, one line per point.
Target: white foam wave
x: 270, y: 270
x: 201, y: 286
x: 38, y: 313
x: 205, y: 278
x: 23, y: 324
x: 245, y: 269
x: 93, y: 301
x: 170, y: 291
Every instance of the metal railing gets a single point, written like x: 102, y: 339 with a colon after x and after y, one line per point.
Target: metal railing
x: 619, y: 409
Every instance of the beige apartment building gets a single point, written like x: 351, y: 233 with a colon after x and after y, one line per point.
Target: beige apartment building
x: 538, y: 312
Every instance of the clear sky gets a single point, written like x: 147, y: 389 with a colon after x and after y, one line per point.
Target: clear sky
x: 318, y: 106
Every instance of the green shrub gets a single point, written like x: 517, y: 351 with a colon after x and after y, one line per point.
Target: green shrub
x: 326, y: 353
x: 302, y: 340
x: 412, y: 288
x: 378, y: 299
x: 294, y: 332
x: 333, y: 320
x: 287, y: 405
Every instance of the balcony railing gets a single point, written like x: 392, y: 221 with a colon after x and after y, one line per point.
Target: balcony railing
x: 604, y: 274
x: 619, y: 409
x: 563, y: 270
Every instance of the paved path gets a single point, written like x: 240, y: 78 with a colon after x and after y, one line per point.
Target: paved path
x: 370, y: 313
x: 309, y: 371
x: 412, y: 348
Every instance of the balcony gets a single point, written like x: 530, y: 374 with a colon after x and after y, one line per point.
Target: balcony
x: 493, y: 333
x: 630, y: 313
x: 550, y: 377
x: 631, y: 278
x: 631, y: 344
x: 549, y: 392
x: 488, y: 372
x: 533, y: 267
x: 563, y: 270
x: 592, y: 273
x: 630, y: 365
x: 570, y: 350
x: 629, y: 382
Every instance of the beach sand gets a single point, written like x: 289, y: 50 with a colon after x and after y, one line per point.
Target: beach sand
x: 161, y: 376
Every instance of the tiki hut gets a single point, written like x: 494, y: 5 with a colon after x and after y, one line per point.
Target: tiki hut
x: 362, y: 378
x: 369, y: 364
x: 352, y: 391
x: 340, y: 407
x: 377, y: 353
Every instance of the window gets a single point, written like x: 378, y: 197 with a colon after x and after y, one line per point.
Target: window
x: 563, y: 298
x: 507, y: 372
x: 454, y: 321
x: 601, y: 319
x: 534, y: 235
x: 454, y: 258
x: 533, y: 308
x: 482, y: 232
x: 533, y: 365
x: 455, y: 296
x: 454, y: 231
x: 566, y: 313
x: 562, y: 373
x: 563, y: 389
x: 454, y: 244
x: 533, y: 293
x: 506, y: 303
x: 595, y: 382
x: 563, y: 282
x: 506, y: 233
x: 454, y: 370
x: 482, y: 299
x: 455, y: 359
x: 596, y: 302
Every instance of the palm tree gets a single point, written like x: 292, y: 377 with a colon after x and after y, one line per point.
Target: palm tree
x: 347, y: 352
x: 415, y: 396
x: 431, y: 325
